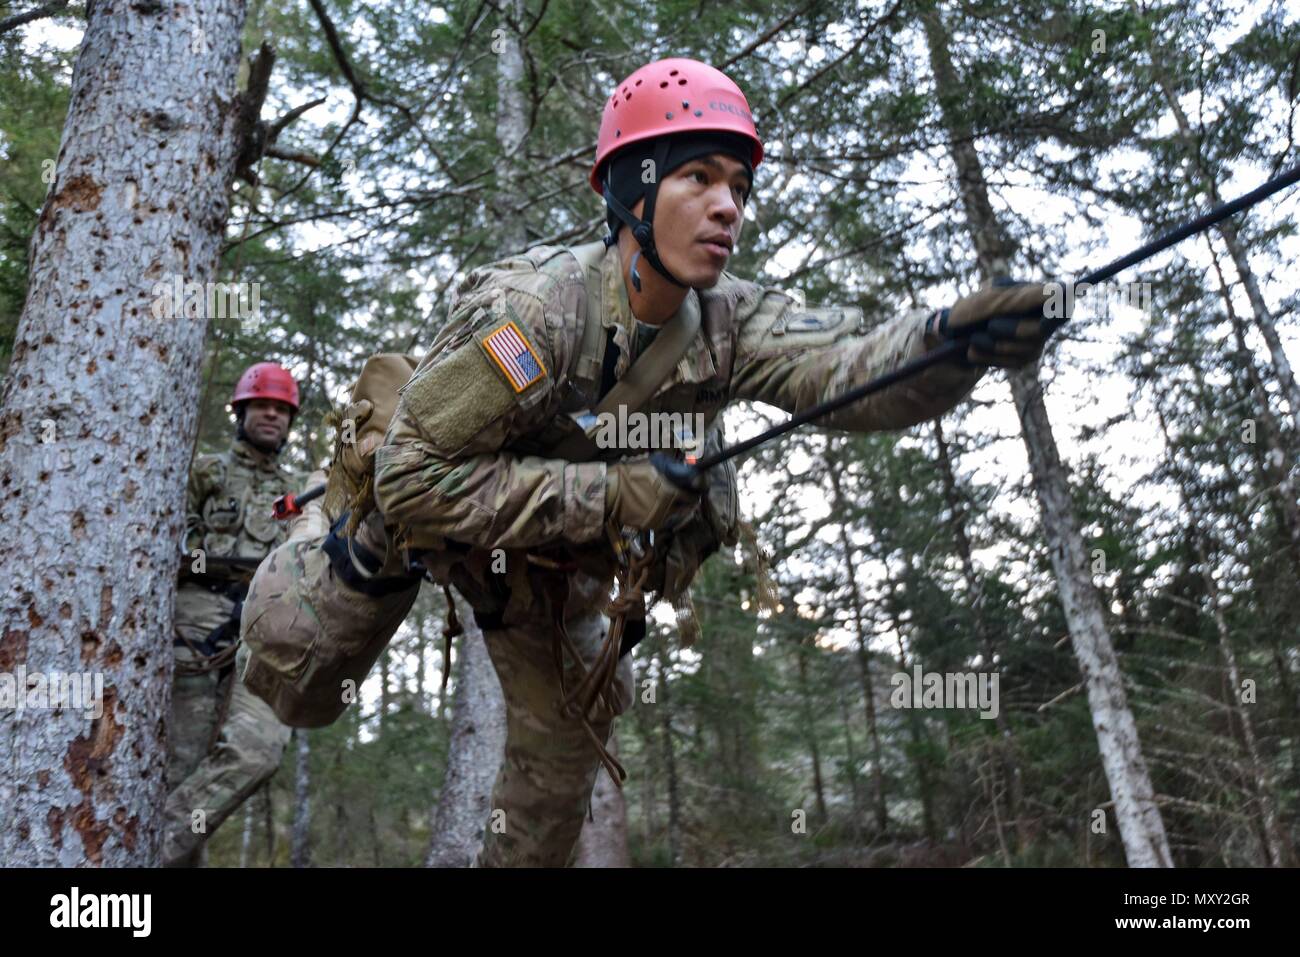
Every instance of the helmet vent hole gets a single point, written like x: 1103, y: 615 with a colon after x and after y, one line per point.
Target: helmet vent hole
x: 668, y: 115
x: 681, y: 82
x: 672, y: 72
x: 663, y: 84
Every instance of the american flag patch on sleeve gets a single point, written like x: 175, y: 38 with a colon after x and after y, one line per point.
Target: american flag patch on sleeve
x: 512, y: 352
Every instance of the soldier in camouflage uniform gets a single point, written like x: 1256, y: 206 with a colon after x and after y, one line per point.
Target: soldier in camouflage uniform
x: 215, y: 765
x: 469, y: 474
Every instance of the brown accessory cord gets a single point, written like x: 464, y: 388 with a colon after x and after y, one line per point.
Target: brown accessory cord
x: 595, y: 684
x: 206, y: 663
x: 223, y: 708
x: 223, y: 659
x: 450, y: 630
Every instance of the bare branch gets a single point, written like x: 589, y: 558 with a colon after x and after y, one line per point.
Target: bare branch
x: 336, y: 47
x: 278, y: 126
x: 1067, y: 693
x: 293, y: 156
x: 832, y: 64
x: 781, y: 25
x: 536, y: 20
x: 250, y: 131
x: 18, y: 19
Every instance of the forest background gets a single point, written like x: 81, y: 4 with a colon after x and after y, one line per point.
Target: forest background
x: 1131, y: 505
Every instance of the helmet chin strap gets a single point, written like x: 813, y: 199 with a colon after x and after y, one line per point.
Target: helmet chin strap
x: 643, y: 229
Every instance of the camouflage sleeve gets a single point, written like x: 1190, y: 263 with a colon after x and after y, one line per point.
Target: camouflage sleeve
x: 206, y: 473
x: 795, y: 357
x: 312, y: 523
x: 442, y: 471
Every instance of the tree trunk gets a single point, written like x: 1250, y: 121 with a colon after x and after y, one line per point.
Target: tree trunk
x: 670, y: 764
x: 478, y: 728
x: 421, y: 646
x: 1136, y: 813
x: 385, y: 700
x: 851, y: 756
x: 512, y: 126
x: 1006, y: 751
x: 920, y: 736
x: 916, y: 725
x: 1263, y: 318
x: 444, y: 670
x: 270, y: 824
x: 478, y: 741
x: 1240, y: 260
x: 96, y: 421
x: 863, y: 653
x: 1274, y: 464
x: 342, y: 827
x: 1275, y: 842
x: 728, y: 675
x: 300, y: 852
x: 801, y: 652
x: 991, y: 792
x: 246, y: 840
x: 373, y: 824
x: 1273, y: 461
x: 1276, y: 847
x: 645, y: 718
x: 603, y: 841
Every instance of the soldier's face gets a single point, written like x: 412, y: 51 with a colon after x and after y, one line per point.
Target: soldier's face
x: 698, y: 216
x: 266, y: 421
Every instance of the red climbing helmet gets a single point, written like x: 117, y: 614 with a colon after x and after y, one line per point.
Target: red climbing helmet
x: 266, y: 380
x: 676, y: 95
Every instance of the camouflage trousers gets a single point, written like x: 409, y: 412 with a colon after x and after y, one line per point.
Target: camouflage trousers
x: 212, y: 777
x: 542, y: 791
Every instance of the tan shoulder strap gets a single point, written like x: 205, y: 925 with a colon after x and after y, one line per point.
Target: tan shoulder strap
x: 651, y: 369
x: 656, y: 364
x: 592, y: 351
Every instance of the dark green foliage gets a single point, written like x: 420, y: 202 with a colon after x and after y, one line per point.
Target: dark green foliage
x: 770, y: 719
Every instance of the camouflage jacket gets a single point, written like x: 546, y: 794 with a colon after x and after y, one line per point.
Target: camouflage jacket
x: 465, y: 464
x: 229, y: 499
